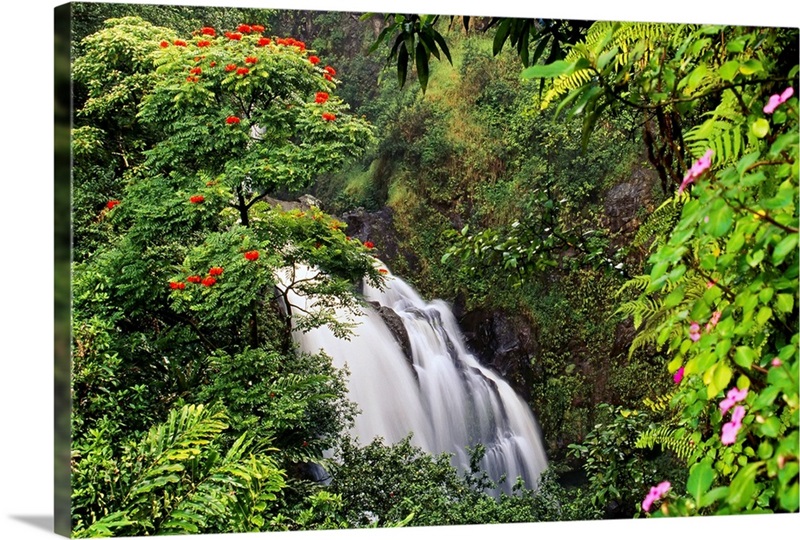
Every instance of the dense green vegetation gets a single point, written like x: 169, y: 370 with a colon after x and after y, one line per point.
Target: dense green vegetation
x: 630, y: 202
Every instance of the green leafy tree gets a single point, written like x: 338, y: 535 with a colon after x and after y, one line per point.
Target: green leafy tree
x: 721, y: 294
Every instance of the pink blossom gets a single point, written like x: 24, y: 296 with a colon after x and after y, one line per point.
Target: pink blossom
x: 775, y: 100
x: 655, y: 493
x: 710, y: 284
x: 734, y: 396
x: 694, y: 331
x: 776, y: 362
x: 738, y: 414
x: 678, y: 376
x: 700, y: 166
x: 729, y: 432
x: 714, y: 320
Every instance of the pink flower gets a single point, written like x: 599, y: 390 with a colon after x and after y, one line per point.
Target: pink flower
x: 678, y: 376
x: 729, y: 432
x: 775, y: 100
x: 655, y: 493
x: 694, y: 331
x: 731, y: 429
x: 776, y: 362
x: 700, y: 166
x: 714, y: 320
x: 733, y: 397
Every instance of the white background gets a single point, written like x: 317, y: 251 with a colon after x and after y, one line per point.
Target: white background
x: 26, y: 275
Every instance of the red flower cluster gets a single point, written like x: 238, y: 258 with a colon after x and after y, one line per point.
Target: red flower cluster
x: 314, y: 59
x: 244, y: 28
x: 230, y: 67
x: 233, y: 36
x: 111, y: 204
x: 203, y: 43
x: 209, y: 281
x: 321, y: 97
x: 383, y: 271
x: 177, y: 285
x: 164, y: 44
x: 251, y: 255
x: 330, y: 117
x: 232, y: 120
x: 215, y: 271
x: 195, y: 71
x: 179, y: 43
x: 242, y: 71
x: 250, y: 60
x: 369, y: 245
x: 329, y: 70
x: 257, y: 28
x: 194, y: 279
x: 192, y: 79
x: 264, y: 41
x: 291, y: 42
x: 208, y: 31
x: 194, y: 199
x: 212, y: 64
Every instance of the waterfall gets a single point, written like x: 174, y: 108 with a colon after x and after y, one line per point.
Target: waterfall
x: 442, y: 395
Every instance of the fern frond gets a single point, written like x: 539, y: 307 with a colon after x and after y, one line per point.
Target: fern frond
x: 669, y: 439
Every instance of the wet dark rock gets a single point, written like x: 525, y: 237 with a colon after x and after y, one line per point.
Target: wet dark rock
x: 395, y: 324
x: 502, y: 341
x: 378, y: 228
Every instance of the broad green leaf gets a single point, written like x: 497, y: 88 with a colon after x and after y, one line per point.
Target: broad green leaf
x: 728, y: 70
x: 700, y: 479
x: 555, y: 69
x: 760, y: 128
x: 743, y: 486
x: 784, y: 303
x: 750, y: 67
x: 784, y: 247
x: 771, y: 427
x: 720, y: 221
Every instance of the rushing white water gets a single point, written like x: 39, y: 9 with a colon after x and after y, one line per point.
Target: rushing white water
x: 442, y: 395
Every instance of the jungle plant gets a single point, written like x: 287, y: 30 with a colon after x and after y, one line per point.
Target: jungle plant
x: 721, y: 294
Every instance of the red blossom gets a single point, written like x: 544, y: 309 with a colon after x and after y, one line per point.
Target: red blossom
x: 203, y: 43
x: 230, y: 67
x: 330, y: 70
x: 194, y: 279
x: 314, y: 59
x: 192, y: 79
x: 179, y: 43
x: 215, y: 271
x: 232, y: 120
x: 264, y: 41
x: 369, y: 245
x: 251, y: 255
x: 330, y: 117
x: 195, y: 71
x: 233, y: 36
x: 327, y: 76
x: 212, y: 64
x: 321, y: 97
x: 257, y: 28
x: 194, y: 199
x: 210, y: 183
x: 177, y: 285
x: 209, y: 281
x: 164, y: 44
x: 281, y: 41
x: 112, y: 203
x: 208, y: 31
x: 250, y: 60
x: 244, y: 28
x: 242, y: 71
x: 383, y: 271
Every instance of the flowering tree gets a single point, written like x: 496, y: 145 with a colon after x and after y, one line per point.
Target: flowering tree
x: 188, y: 299
x: 721, y: 292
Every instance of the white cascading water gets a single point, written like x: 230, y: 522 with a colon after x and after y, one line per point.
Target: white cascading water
x: 443, y: 396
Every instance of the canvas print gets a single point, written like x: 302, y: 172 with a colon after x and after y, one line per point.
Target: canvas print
x: 337, y: 270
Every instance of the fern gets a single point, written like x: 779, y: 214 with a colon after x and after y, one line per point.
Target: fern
x: 661, y: 222
x: 669, y: 439
x: 178, y: 482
